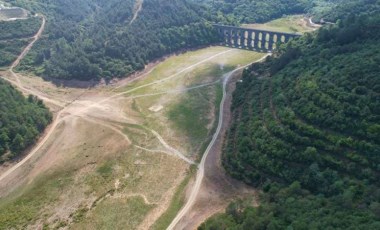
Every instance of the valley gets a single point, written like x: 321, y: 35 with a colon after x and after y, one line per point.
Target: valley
x: 117, y: 148
x: 128, y: 153
x: 287, y: 24
x: 150, y: 114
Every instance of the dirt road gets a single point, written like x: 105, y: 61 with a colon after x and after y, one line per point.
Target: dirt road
x: 80, y: 111
x: 19, y: 85
x: 201, y: 168
x: 67, y: 112
x: 18, y: 60
x: 137, y: 9
x: 27, y: 49
x: 313, y: 25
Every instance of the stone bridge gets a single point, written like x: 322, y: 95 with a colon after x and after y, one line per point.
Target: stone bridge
x: 252, y: 39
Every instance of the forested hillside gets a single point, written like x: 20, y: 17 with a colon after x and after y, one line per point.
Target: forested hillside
x: 93, y: 39
x: 19, y: 28
x: 14, y: 37
x: 248, y: 11
x: 306, y: 130
x: 342, y: 7
x: 21, y: 121
x: 332, y: 10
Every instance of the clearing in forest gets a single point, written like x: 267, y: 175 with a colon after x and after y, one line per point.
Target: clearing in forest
x: 288, y: 24
x: 11, y: 13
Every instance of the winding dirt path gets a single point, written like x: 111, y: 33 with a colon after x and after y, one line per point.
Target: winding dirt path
x: 152, y: 83
x: 153, y: 150
x: 64, y: 114
x: 35, y: 149
x: 102, y: 123
x: 133, y: 195
x: 28, y: 47
x: 171, y: 149
x: 17, y: 81
x: 59, y: 117
x: 201, y: 168
x: 174, y: 90
x: 19, y: 85
x: 33, y: 92
x: 137, y: 9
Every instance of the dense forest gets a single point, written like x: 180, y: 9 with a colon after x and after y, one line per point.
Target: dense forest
x: 19, y: 28
x: 10, y: 49
x: 14, y: 37
x: 93, y: 39
x: 21, y: 121
x: 342, y: 7
x: 306, y: 130
x: 248, y: 11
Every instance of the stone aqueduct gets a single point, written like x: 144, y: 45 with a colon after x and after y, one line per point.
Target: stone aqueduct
x: 252, y: 39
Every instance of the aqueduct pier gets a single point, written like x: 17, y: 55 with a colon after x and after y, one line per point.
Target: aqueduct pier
x: 252, y: 39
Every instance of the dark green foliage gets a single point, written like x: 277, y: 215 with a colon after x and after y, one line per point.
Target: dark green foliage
x: 295, y: 208
x: 93, y: 39
x: 14, y: 37
x: 21, y: 120
x: 317, y: 112
x: 354, y: 7
x: 19, y: 28
x: 306, y: 130
x: 10, y: 49
x: 248, y: 11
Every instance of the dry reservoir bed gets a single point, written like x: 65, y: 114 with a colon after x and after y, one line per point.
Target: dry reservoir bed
x: 117, y: 155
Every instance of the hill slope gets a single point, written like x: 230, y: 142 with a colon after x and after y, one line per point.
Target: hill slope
x: 93, y: 39
x: 21, y: 121
x: 247, y: 11
x: 340, y: 8
x: 14, y: 37
x: 306, y: 130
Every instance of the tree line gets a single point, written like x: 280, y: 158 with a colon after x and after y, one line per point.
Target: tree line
x: 306, y: 131
x: 21, y: 121
x: 93, y: 39
x: 14, y: 37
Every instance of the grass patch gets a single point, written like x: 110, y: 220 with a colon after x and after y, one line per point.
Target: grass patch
x: 138, y: 171
x: 173, y: 65
x: 218, y: 100
x: 80, y: 214
x: 105, y: 170
x: 25, y: 207
x: 288, y: 24
x: 116, y: 214
x: 189, y: 115
x: 102, y: 179
x: 219, y: 96
x: 176, y: 204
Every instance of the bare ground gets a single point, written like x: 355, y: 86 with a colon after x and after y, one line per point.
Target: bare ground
x: 88, y: 131
x: 218, y: 189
